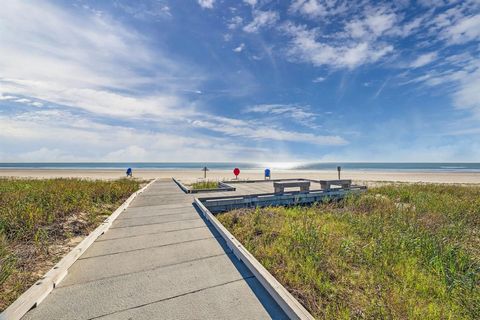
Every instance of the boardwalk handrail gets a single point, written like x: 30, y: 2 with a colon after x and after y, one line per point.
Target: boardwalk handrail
x: 246, y: 196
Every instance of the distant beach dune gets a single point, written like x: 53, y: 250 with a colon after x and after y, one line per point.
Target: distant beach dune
x: 193, y: 175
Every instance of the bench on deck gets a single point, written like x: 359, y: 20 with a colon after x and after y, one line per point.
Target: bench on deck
x: 281, y: 185
x: 326, y: 184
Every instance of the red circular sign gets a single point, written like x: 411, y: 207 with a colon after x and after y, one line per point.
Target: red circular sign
x: 236, y: 171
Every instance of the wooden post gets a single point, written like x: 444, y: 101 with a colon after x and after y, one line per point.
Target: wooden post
x: 205, y: 169
x: 339, y: 169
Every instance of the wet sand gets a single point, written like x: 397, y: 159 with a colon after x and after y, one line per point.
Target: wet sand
x: 193, y: 175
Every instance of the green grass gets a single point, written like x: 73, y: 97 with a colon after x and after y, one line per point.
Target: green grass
x: 204, y: 185
x: 38, y: 218
x: 398, y: 252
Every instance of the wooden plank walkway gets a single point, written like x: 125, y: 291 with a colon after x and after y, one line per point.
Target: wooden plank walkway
x: 159, y: 260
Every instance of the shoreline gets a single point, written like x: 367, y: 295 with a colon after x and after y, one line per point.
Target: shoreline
x: 194, y: 175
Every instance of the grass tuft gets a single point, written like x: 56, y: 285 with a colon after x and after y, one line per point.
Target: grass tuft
x: 408, y: 251
x: 204, y: 185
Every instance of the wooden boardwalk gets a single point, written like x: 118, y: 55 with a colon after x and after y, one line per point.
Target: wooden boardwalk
x: 159, y: 260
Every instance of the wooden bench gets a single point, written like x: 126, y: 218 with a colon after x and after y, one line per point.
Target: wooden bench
x: 326, y: 184
x: 281, y: 185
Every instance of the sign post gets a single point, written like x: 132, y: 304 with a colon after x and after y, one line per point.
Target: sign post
x: 236, y: 172
x: 205, y: 169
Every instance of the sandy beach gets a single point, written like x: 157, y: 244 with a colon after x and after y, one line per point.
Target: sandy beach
x: 193, y: 175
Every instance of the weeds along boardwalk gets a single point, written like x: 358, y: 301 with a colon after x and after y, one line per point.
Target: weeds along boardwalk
x: 160, y: 257
x: 43, y: 220
x: 406, y: 251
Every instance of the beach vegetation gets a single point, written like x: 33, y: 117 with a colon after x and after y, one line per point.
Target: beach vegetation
x: 201, y: 185
x: 41, y: 220
x: 395, y: 252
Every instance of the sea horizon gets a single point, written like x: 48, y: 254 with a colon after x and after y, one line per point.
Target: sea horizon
x: 281, y: 166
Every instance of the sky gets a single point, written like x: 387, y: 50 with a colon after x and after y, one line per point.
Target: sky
x: 252, y: 80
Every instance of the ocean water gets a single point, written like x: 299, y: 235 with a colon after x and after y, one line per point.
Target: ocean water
x: 366, y: 166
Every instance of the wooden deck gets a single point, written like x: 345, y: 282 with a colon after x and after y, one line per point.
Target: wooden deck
x: 262, y: 194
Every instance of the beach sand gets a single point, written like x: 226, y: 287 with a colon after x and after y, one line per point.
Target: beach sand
x: 193, y: 175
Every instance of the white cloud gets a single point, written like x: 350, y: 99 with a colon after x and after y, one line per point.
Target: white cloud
x: 6, y: 97
x: 319, y: 79
x: 407, y: 28
x: 315, y: 9
x: 462, y: 81
x: 95, y: 100
x: 61, y: 136
x: 235, y: 22
x: 349, y: 43
x: 23, y: 100
x: 93, y: 66
x: 305, y: 47
x: 297, y: 113
x: 291, y: 110
x: 468, y: 94
x: 207, y: 4
x: 261, y: 19
x: 144, y: 10
x: 379, y: 21
x: 456, y: 25
x: 371, y: 25
x: 253, y: 3
x: 312, y: 8
x: 14, y: 99
x: 259, y: 131
x: 239, y: 48
x: 464, y: 30
x: 424, y: 59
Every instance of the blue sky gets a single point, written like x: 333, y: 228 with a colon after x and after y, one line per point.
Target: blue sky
x: 213, y: 80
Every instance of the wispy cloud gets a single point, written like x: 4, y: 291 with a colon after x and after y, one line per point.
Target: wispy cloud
x: 53, y: 135
x: 466, y: 29
x: 82, y: 60
x: 251, y: 2
x: 467, y: 96
x: 145, y: 10
x: 304, y: 47
x: 319, y: 79
x: 424, y: 59
x: 207, y: 4
x: 299, y: 114
x: 264, y: 131
x: 235, y: 22
x: 316, y: 8
x: 380, y: 89
x: 261, y: 19
x: 239, y: 48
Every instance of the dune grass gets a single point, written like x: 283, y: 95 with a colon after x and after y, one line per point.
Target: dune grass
x: 40, y: 220
x: 398, y: 252
x: 204, y: 185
